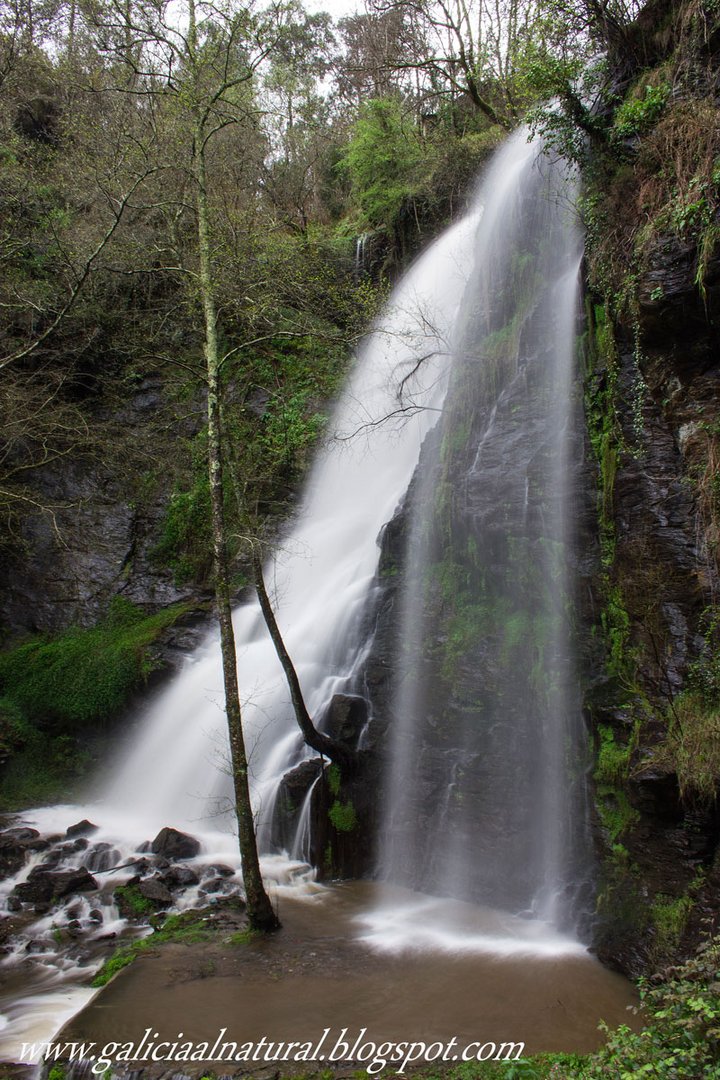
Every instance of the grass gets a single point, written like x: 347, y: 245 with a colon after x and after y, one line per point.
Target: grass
x: 188, y: 927
x: 84, y: 677
x: 692, y: 746
x: 55, y: 688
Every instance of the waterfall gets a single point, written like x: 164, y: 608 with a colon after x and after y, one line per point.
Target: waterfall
x: 459, y: 410
x: 322, y: 576
x: 484, y: 793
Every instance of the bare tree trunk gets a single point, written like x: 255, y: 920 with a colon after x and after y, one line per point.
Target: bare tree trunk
x: 259, y: 909
x: 338, y: 753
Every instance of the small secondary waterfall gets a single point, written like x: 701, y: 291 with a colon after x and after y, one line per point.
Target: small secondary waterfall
x: 484, y: 788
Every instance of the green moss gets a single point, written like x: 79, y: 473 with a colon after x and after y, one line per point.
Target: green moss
x: 601, y: 397
x: 615, y: 811
x: 188, y: 927
x: 691, y: 747
x: 243, y: 937
x: 613, y: 759
x: 185, y: 543
x: 669, y: 917
x: 130, y: 897
x: 333, y: 778
x: 84, y: 677
x: 343, y: 816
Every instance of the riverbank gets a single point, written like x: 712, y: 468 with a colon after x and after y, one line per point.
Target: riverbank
x: 320, y: 980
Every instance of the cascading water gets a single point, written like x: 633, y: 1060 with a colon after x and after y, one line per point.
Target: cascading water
x: 321, y: 576
x: 484, y: 787
x: 481, y: 803
x: 174, y: 773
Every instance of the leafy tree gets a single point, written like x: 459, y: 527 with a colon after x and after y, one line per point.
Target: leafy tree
x: 382, y: 158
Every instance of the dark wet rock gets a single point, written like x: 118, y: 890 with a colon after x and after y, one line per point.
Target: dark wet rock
x: 216, y: 885
x: 101, y: 857
x: 173, y: 844
x: 657, y: 794
x: 43, y: 886
x: 179, y: 877
x: 36, y: 946
x: 140, y: 867
x: 345, y: 718
x: 70, y: 882
x: 52, y: 859
x: 219, y: 870
x: 19, y: 835
x: 291, y: 796
x: 153, y: 890
x: 81, y: 828
x: 95, y: 915
x: 38, y: 889
x: 14, y: 847
x: 14, y: 904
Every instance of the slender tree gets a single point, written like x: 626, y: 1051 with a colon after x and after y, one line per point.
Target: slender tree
x: 195, y: 74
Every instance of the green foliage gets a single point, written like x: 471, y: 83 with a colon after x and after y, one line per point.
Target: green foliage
x: 669, y: 916
x: 616, y: 625
x: 343, y: 816
x: 611, y: 771
x: 613, y: 760
x: 641, y: 111
x: 681, y: 1038
x: 84, y: 677
x: 41, y: 769
x: 381, y: 159
x: 185, y: 543
x: 692, y: 744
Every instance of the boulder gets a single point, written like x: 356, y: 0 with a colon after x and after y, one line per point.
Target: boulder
x: 81, y: 828
x: 38, y: 889
x: 345, y: 718
x: 219, y: 870
x: 70, y: 882
x: 102, y: 857
x: 14, y: 846
x: 153, y: 890
x: 179, y: 877
x: 173, y: 844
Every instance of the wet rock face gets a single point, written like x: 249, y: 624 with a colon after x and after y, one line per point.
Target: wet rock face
x: 665, y: 568
x: 108, y: 533
x: 345, y: 718
x: 15, y: 844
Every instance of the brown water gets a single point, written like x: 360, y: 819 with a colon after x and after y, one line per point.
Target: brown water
x: 316, y: 974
